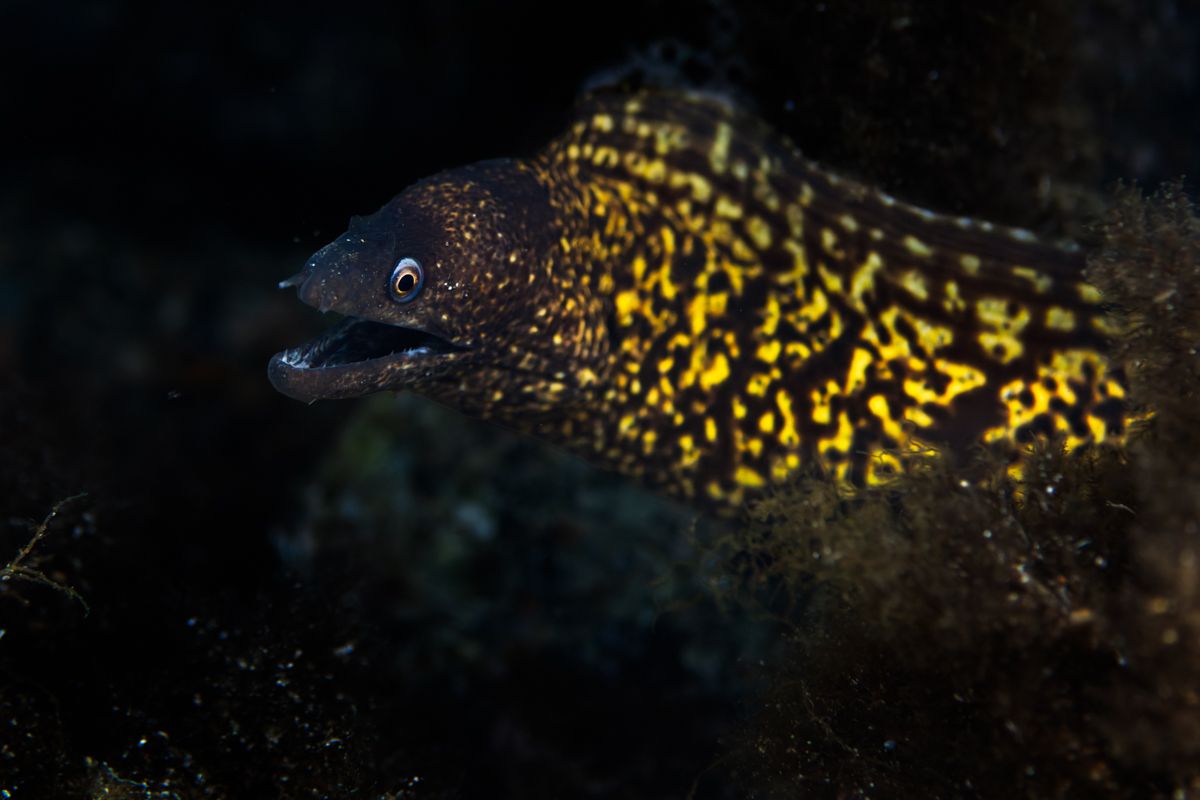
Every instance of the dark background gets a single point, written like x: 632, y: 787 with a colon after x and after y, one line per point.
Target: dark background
x: 291, y: 601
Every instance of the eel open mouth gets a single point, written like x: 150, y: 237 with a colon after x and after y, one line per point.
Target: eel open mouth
x: 356, y: 340
x: 354, y: 358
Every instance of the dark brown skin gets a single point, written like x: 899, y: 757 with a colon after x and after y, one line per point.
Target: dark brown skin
x: 476, y: 232
x: 670, y: 290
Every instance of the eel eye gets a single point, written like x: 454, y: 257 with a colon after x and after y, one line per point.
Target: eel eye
x: 407, y: 278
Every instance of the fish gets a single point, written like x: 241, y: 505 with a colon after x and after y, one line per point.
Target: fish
x: 671, y: 290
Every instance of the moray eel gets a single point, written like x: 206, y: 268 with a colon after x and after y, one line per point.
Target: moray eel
x: 669, y: 289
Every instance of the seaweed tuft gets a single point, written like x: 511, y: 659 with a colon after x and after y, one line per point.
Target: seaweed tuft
x: 1150, y: 268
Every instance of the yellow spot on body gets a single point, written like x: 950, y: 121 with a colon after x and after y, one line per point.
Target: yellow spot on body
x: 723, y: 232
x: 605, y: 156
x: 962, y: 379
x: 860, y: 362
x: 655, y: 171
x: 779, y: 470
x: 1060, y: 319
x: 710, y: 429
x: 769, y: 351
x: 759, y: 232
x: 799, y: 351
x: 799, y: 264
x: 848, y: 222
x: 664, y: 139
x: 639, y: 268
x: 930, y: 336
x: 864, y: 278
x: 1040, y: 281
x: 602, y: 122
x: 914, y: 282
x: 787, y: 433
x: 667, y: 236
x: 953, y: 301
x: 697, y: 308
x: 728, y: 208
x: 918, y: 417
x: 1004, y: 347
x: 626, y: 424
x: 842, y: 438
x: 1072, y: 365
x: 917, y: 247
x: 701, y: 188
x: 995, y: 434
x: 739, y: 408
x: 1089, y: 293
x: 883, y: 468
x: 829, y: 241
x: 748, y: 477
x: 833, y: 282
x: 689, y: 455
x: 716, y: 372
x: 715, y: 303
x: 718, y: 157
x: 758, y: 384
x: 770, y: 316
x: 970, y: 263
x: 821, y: 409
x: 879, y: 406
x: 993, y: 311
x: 766, y: 423
x: 795, y: 220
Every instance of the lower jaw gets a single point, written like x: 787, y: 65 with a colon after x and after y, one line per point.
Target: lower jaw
x: 309, y: 384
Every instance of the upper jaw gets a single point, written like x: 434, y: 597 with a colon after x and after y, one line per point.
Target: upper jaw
x: 358, y: 357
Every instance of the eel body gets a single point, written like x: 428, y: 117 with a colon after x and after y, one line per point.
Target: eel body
x: 669, y: 289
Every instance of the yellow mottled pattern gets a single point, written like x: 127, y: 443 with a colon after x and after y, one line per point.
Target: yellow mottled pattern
x: 766, y: 316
